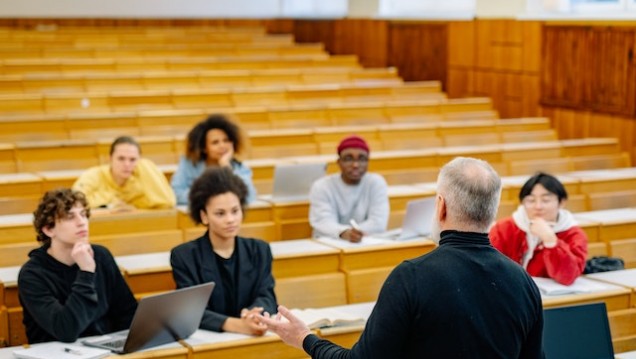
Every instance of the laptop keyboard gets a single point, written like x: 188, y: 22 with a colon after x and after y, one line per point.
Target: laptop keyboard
x: 115, y: 344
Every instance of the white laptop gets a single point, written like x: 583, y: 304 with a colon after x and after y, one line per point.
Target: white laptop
x: 292, y: 182
x: 417, y: 222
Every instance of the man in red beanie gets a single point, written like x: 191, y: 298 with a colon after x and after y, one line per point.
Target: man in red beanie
x: 352, y: 203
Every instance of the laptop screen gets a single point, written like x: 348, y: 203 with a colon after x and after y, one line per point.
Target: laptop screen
x: 418, y: 220
x: 160, y: 319
x: 293, y: 181
x: 580, y: 331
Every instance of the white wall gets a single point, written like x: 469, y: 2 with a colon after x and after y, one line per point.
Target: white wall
x: 173, y: 8
x: 500, y: 8
x: 363, y: 8
x: 259, y: 8
x: 140, y: 8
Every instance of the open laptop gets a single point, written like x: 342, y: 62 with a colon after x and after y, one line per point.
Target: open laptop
x: 417, y: 222
x: 292, y: 182
x: 579, y: 331
x: 159, y: 319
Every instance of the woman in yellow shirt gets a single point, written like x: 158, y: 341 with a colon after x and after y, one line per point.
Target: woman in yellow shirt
x: 127, y: 181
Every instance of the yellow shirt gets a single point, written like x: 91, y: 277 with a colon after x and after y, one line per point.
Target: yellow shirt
x: 147, y: 188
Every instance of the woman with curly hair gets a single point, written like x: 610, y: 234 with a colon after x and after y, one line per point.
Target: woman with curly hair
x: 213, y: 142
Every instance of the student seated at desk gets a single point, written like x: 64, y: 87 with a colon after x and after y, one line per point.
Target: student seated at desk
x: 127, y: 182
x: 213, y: 142
x: 70, y: 288
x: 339, y: 201
x: 241, y: 267
x: 541, y: 235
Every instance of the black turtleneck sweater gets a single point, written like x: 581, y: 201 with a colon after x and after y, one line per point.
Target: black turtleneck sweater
x: 63, y: 303
x: 462, y: 300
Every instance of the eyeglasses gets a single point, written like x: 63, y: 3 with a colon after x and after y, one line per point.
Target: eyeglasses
x: 544, y: 200
x: 363, y: 160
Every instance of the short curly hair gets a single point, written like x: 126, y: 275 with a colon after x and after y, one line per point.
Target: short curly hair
x: 53, y: 206
x: 196, y: 144
x: 213, y: 182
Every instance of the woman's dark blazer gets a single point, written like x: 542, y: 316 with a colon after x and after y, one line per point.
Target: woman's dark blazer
x: 194, y: 263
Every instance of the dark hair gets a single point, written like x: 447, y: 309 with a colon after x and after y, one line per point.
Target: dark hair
x: 195, y: 149
x: 124, y: 139
x: 213, y: 182
x: 549, y: 182
x: 53, y: 206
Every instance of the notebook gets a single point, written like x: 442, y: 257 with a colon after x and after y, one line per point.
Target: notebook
x: 580, y: 331
x: 292, y: 182
x: 159, y: 319
x: 58, y: 350
x: 417, y: 222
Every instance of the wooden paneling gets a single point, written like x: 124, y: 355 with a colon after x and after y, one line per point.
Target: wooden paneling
x: 570, y: 123
x: 589, y: 68
x: 500, y: 59
x: 365, y: 38
x: 419, y: 50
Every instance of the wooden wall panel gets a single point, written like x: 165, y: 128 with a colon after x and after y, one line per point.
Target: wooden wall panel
x: 505, y: 67
x: 314, y: 31
x: 572, y: 123
x: 461, y: 44
x: 531, y: 32
x: 419, y: 50
x: 589, y: 68
x: 365, y: 38
x: 460, y: 82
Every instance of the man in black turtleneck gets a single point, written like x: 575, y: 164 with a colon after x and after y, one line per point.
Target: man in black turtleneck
x: 462, y: 300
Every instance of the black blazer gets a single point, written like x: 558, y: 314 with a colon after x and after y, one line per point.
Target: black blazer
x: 194, y: 263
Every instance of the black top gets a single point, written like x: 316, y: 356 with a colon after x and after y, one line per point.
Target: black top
x: 195, y: 262
x: 63, y: 303
x: 227, y: 267
x: 462, y: 300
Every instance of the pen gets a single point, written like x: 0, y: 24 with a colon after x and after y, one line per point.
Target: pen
x: 72, y: 351
x: 354, y: 224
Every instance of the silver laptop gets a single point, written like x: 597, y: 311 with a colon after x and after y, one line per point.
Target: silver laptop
x: 292, y: 182
x: 159, y: 319
x: 417, y: 222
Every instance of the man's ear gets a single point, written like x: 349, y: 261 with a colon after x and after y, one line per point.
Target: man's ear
x: 48, y: 231
x: 440, y: 208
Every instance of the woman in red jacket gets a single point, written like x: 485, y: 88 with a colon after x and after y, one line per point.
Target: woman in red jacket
x: 541, y: 235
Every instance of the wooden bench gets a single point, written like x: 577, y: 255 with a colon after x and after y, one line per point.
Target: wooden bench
x: 15, y: 66
x: 100, y: 82
x: 195, y: 98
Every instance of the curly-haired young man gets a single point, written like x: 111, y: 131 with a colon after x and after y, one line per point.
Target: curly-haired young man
x: 70, y: 288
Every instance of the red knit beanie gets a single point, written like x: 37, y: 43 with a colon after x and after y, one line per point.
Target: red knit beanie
x: 353, y: 142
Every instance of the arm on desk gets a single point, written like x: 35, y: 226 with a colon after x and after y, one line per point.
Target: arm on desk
x: 63, y: 321
x: 566, y: 261
x: 379, y: 208
x: 93, y: 184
